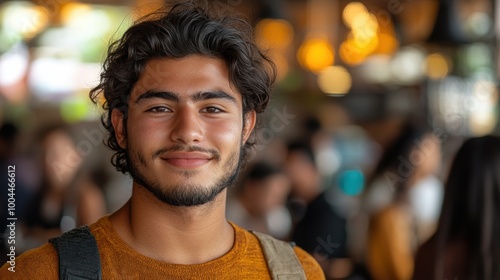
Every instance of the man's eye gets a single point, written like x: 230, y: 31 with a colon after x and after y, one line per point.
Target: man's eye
x: 159, y: 109
x: 212, y: 110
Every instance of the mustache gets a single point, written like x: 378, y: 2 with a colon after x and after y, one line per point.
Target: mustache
x: 179, y: 148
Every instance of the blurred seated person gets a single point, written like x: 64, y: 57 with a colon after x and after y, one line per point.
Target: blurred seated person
x: 393, y: 232
x: 467, y: 242
x: 320, y: 230
x: 412, y: 161
x: 259, y: 203
x: 67, y: 197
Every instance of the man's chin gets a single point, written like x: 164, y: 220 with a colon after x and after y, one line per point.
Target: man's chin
x: 186, y: 195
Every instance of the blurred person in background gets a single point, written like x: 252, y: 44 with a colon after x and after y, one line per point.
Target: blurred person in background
x: 466, y: 244
x: 393, y: 233
x: 320, y: 230
x: 67, y: 196
x: 259, y: 203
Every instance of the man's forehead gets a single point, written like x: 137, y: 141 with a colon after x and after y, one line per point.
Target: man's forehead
x: 190, y: 74
x: 191, y: 64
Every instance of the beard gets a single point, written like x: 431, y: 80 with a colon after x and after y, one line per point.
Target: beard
x: 186, y: 195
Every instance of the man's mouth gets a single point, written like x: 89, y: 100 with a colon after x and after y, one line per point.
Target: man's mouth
x: 186, y: 159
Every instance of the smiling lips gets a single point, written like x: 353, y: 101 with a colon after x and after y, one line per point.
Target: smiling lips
x: 186, y: 159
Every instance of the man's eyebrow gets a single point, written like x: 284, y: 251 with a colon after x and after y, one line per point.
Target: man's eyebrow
x: 158, y: 94
x: 217, y: 94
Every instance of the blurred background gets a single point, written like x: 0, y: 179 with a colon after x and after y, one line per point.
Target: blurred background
x: 372, y: 100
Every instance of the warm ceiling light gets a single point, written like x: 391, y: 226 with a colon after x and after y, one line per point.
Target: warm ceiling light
x: 335, y: 80
x: 352, y: 10
x: 315, y: 54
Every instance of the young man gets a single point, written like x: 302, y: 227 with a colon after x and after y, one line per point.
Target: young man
x: 182, y: 93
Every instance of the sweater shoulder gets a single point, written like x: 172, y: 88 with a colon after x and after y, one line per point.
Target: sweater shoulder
x: 38, y: 263
x: 309, y: 264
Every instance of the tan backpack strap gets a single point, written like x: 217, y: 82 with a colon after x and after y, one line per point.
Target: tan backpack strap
x: 281, y: 258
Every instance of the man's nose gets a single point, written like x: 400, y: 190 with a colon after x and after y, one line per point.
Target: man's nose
x: 187, y: 127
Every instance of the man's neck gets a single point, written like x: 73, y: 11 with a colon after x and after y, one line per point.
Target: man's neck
x: 180, y: 235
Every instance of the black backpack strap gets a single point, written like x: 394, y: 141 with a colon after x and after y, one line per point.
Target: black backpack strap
x: 281, y: 258
x: 78, y: 255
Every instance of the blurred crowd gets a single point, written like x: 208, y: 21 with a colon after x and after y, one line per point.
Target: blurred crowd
x: 408, y: 207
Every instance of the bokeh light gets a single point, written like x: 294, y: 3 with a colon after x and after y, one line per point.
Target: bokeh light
x: 72, y: 12
x: 406, y: 65
x: 376, y: 69
x: 23, y: 18
x: 351, y: 182
x: 351, y: 10
x: 482, y: 122
x: 482, y: 105
x: 437, y: 66
x: 369, y: 34
x: 387, y: 44
x: 351, y: 54
x: 75, y: 109
x: 479, y: 24
x: 335, y: 80
x: 364, y: 27
x: 315, y: 54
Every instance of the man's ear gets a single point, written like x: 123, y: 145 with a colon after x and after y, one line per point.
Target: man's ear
x: 249, y: 124
x: 117, y: 122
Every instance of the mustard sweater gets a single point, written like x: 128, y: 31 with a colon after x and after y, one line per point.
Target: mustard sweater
x: 390, y: 253
x: 118, y: 261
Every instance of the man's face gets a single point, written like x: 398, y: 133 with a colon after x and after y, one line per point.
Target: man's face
x: 185, y: 129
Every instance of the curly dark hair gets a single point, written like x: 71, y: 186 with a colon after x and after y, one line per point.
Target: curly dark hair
x: 186, y: 28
